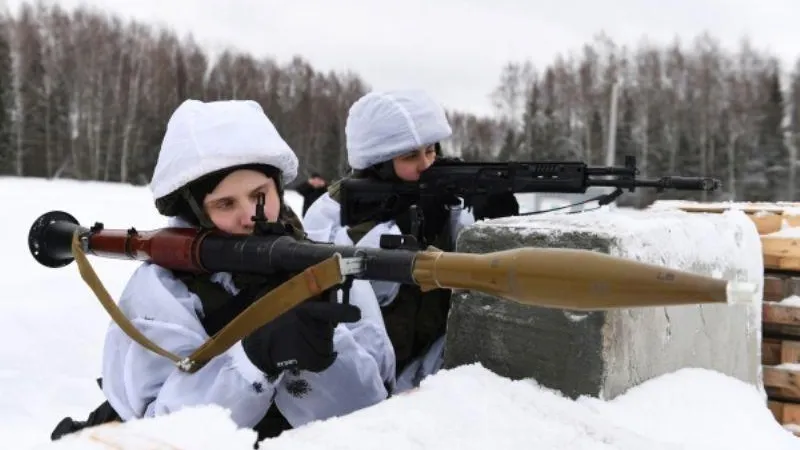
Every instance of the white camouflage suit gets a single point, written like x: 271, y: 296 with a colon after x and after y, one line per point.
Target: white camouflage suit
x: 380, y: 127
x: 202, y: 138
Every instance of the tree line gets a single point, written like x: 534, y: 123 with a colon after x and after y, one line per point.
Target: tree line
x: 87, y: 95
x: 694, y: 109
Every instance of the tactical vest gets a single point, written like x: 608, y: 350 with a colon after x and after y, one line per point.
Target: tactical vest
x: 415, y: 319
x: 220, y: 307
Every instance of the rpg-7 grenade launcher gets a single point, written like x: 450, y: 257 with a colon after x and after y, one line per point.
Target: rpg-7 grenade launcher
x: 559, y: 278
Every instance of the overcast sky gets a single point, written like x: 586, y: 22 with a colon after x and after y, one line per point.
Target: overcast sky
x: 455, y: 49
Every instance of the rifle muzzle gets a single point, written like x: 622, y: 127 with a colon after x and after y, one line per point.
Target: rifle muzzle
x: 690, y: 183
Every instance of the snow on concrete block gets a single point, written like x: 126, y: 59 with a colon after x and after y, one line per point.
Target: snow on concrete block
x: 603, y: 353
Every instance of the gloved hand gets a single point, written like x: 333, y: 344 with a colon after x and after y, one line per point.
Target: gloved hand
x: 447, y: 159
x: 301, y: 338
x: 497, y: 205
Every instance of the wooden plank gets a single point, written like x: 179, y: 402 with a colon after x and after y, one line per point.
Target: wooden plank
x: 776, y: 351
x: 776, y: 408
x: 779, y: 314
x: 774, y: 287
x: 791, y: 220
x: 768, y: 223
x: 778, y: 263
x: 790, y: 352
x: 781, y: 285
x: 770, y: 351
x: 782, y: 247
x: 782, y: 381
x: 784, y: 412
x: 752, y: 208
x: 768, y: 217
x: 776, y: 392
x: 780, y: 331
x: 772, y: 262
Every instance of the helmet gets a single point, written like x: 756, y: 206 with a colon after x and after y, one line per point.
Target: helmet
x: 205, y: 141
x: 382, y: 126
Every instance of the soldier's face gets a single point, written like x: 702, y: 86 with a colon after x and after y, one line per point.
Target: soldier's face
x: 232, y: 204
x: 410, y: 166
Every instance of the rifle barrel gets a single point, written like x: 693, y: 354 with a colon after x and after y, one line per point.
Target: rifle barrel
x: 676, y: 182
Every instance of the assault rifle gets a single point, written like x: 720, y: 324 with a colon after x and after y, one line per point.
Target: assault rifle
x: 547, y: 277
x: 452, y: 181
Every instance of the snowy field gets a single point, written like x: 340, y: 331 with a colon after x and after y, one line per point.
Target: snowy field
x: 53, y: 327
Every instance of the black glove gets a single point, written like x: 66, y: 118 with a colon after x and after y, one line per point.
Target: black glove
x: 447, y: 159
x: 301, y: 338
x: 497, y: 205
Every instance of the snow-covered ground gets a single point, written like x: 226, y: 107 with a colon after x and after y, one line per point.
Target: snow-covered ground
x: 53, y: 327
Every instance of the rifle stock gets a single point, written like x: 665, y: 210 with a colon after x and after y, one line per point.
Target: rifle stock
x: 558, y: 278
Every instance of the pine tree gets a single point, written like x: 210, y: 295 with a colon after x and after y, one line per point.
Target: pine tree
x: 6, y: 102
x: 771, y: 139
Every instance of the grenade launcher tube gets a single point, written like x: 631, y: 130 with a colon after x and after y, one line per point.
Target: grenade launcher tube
x: 192, y: 250
x: 265, y: 254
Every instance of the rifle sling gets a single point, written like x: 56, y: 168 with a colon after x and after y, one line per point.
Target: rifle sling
x: 309, y: 283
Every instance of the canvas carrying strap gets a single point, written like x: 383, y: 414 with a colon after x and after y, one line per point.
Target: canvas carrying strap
x: 309, y: 283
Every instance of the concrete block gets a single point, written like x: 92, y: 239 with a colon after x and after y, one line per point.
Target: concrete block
x: 603, y: 353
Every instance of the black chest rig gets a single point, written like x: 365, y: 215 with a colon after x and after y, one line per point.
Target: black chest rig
x: 415, y: 319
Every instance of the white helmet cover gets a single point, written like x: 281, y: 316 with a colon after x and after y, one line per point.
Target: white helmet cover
x: 383, y: 125
x: 204, y: 137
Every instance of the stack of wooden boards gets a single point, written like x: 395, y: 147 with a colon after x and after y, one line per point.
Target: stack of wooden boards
x: 779, y: 227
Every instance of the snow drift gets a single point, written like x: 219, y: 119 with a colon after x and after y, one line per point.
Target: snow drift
x: 471, y: 408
